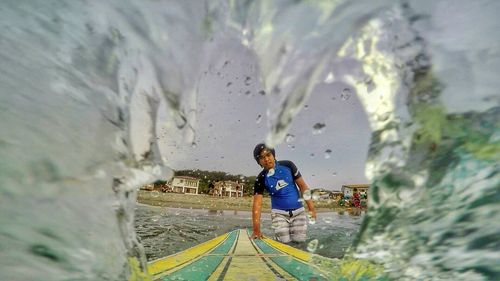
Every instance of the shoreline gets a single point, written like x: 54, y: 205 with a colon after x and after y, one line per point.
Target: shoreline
x: 208, y: 202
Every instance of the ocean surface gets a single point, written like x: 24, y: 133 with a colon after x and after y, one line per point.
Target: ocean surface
x: 89, y: 88
x: 165, y: 231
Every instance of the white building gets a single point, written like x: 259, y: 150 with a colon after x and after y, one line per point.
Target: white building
x: 348, y: 189
x: 183, y: 184
x: 228, y: 188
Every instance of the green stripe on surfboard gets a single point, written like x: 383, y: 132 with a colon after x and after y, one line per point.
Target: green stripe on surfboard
x: 202, y: 268
x: 296, y: 268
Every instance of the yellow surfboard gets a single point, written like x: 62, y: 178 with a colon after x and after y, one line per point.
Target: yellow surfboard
x: 234, y: 256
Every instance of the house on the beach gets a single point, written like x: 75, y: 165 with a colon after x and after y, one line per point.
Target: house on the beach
x: 336, y: 194
x: 184, y: 184
x: 148, y: 187
x: 321, y: 193
x: 348, y: 189
x: 227, y: 189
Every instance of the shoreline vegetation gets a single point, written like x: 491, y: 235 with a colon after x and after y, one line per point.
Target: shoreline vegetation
x: 208, y: 202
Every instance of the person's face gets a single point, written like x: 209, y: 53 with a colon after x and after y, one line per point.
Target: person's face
x: 266, y: 159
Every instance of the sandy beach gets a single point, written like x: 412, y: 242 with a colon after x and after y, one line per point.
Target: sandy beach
x: 203, y: 201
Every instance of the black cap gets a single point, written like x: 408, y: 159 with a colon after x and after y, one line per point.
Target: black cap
x: 258, y: 149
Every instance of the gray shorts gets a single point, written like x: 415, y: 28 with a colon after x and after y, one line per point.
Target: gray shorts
x: 289, y: 225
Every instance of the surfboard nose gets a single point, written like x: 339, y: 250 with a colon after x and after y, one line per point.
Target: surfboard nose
x: 234, y: 256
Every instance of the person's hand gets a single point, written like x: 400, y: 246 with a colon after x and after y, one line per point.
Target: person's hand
x: 256, y: 235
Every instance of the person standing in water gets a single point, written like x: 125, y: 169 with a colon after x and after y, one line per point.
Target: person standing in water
x: 286, y: 186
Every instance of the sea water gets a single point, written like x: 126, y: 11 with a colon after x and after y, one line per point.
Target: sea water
x: 83, y: 83
x: 165, y: 231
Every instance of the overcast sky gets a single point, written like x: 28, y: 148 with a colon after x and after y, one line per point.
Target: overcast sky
x: 328, y: 140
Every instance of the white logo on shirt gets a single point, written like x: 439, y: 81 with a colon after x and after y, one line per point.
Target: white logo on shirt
x: 280, y: 184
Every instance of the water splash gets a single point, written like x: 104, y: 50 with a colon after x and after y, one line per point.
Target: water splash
x: 315, y: 195
x: 307, y: 195
x: 90, y: 98
x: 312, y: 246
x: 415, y: 153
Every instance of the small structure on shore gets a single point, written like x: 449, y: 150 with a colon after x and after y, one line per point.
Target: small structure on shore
x: 336, y: 195
x: 227, y: 189
x: 348, y: 189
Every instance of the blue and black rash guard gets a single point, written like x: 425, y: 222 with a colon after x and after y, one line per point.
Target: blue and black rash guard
x: 280, y: 183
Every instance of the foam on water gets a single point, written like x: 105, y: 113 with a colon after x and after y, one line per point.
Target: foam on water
x: 83, y: 86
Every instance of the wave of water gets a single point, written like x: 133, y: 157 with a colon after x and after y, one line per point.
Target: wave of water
x: 83, y: 84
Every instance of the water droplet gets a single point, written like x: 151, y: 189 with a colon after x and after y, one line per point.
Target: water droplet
x: 312, y: 245
x: 328, y: 153
x: 259, y: 119
x: 329, y: 78
x: 289, y: 138
x: 312, y: 155
x: 306, y: 106
x: 307, y: 195
x: 346, y: 94
x: 318, y: 128
x: 334, y: 174
x: 247, y: 93
x: 193, y: 144
x: 315, y: 196
x: 229, y: 84
x: 311, y: 219
x: 247, y: 80
x: 262, y: 92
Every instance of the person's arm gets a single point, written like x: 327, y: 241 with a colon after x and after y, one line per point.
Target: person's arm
x: 303, y: 187
x: 256, y: 210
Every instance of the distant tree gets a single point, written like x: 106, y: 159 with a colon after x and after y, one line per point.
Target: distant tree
x: 248, y: 185
x: 160, y: 182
